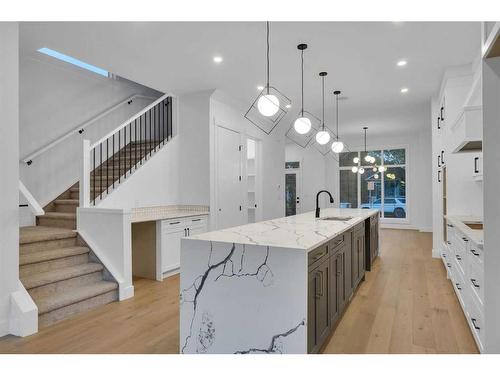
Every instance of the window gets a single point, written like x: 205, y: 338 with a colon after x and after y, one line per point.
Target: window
x: 72, y: 60
x: 386, y: 193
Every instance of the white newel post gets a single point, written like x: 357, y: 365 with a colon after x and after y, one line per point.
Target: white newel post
x: 85, y: 177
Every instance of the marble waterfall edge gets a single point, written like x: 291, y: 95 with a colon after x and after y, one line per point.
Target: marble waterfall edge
x: 242, y: 298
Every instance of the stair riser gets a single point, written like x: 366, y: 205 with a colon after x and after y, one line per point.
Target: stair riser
x: 70, y: 310
x: 64, y: 285
x: 66, y: 207
x: 57, y: 223
x: 30, y: 269
x: 47, y: 245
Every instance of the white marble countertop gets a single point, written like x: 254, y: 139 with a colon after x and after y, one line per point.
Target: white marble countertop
x: 302, y: 231
x: 167, y: 212
x: 475, y: 235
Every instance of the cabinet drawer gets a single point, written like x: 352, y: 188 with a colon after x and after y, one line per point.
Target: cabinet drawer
x: 318, y: 255
x: 475, y: 254
x: 476, y: 323
x: 337, y: 242
x: 460, y: 286
x: 476, y: 282
x: 174, y: 224
x: 196, y: 221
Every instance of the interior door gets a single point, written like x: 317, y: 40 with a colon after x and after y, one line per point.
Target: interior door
x: 229, y: 191
x: 292, y: 192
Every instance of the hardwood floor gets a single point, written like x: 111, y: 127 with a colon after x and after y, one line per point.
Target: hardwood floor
x: 405, y: 305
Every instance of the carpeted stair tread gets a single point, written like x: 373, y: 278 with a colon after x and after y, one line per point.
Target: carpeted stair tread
x: 43, y: 256
x: 40, y: 233
x: 56, y: 301
x: 59, y: 215
x: 44, y: 278
x: 67, y: 201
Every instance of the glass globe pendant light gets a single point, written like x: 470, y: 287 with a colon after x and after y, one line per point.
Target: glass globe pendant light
x: 368, y: 158
x: 302, y: 124
x: 337, y: 145
x: 354, y: 169
x: 323, y: 136
x: 268, y: 104
x: 355, y: 160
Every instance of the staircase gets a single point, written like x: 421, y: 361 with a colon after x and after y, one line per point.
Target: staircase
x: 57, y: 268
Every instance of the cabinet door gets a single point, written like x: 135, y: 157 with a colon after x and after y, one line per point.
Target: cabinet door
x: 355, y: 260
x: 319, y: 305
x: 334, y: 290
x: 199, y: 229
x: 348, y: 268
x: 340, y: 275
x: 311, y: 312
x: 171, y: 248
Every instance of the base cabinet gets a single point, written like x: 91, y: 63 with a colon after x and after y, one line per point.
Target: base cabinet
x: 170, y: 243
x: 335, y: 270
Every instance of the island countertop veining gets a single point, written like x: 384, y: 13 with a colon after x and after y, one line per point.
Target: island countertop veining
x: 302, y: 231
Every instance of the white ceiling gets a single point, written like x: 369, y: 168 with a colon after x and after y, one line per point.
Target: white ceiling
x: 360, y: 58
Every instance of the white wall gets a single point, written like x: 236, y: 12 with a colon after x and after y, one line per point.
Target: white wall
x: 9, y: 196
x: 56, y: 97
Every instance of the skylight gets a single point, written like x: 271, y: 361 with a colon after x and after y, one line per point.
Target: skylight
x: 72, y: 60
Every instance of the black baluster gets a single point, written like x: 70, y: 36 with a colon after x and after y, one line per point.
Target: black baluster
x: 119, y: 156
x: 93, y: 178
x: 135, y: 144
x: 113, y: 160
x: 100, y: 160
x: 107, y: 164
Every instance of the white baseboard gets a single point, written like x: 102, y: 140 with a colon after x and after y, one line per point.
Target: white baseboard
x: 23, y: 313
x: 126, y: 292
x: 436, y: 253
x: 426, y: 229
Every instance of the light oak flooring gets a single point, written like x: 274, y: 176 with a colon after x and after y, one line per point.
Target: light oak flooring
x: 405, y: 305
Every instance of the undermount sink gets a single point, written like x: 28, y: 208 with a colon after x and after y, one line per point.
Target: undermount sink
x: 476, y: 226
x: 336, y: 218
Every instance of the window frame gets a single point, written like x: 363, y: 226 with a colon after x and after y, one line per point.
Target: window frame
x: 406, y: 166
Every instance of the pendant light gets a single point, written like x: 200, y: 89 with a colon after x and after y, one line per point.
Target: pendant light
x: 271, y: 105
x: 302, y: 124
x: 368, y: 158
x: 268, y: 104
x: 323, y: 136
x: 337, y: 146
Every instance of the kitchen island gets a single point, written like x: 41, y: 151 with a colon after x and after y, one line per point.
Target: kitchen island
x: 277, y: 286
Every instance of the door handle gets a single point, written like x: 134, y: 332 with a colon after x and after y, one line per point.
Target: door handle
x: 474, y: 324
x: 473, y: 281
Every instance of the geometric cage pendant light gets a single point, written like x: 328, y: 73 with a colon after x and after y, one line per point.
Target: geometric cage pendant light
x: 269, y: 108
x: 302, y: 124
x: 323, y: 136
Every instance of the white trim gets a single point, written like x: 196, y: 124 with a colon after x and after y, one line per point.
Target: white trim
x: 489, y: 40
x: 80, y: 127
x: 134, y: 117
x: 23, y: 313
x: 35, y: 207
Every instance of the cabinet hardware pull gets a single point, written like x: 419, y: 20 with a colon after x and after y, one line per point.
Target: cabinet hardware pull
x: 474, y: 252
x: 320, y: 278
x: 474, y: 324
x: 439, y: 176
x: 175, y: 222
x: 458, y: 257
x: 196, y: 219
x: 475, y: 164
x: 439, y: 161
x: 448, y: 242
x: 442, y: 109
x: 465, y: 239
x: 442, y: 157
x: 189, y: 231
x: 451, y: 226
x: 439, y: 126
x: 473, y: 281
x: 458, y: 286
x: 448, y: 265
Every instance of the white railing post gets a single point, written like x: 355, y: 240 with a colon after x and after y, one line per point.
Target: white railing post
x: 85, y: 177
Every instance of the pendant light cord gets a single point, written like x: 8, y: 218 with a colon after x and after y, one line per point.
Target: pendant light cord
x: 337, y: 101
x: 323, y: 96
x: 302, y: 69
x: 267, y: 55
x: 365, y: 139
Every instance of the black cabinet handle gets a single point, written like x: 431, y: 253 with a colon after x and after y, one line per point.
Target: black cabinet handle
x: 189, y: 231
x: 473, y: 281
x: 319, y: 293
x: 442, y: 157
x: 474, y: 324
x: 475, y: 164
x: 465, y: 239
x: 175, y: 222
x: 196, y: 220
x: 439, y: 176
x: 458, y: 257
x: 449, y: 225
x: 441, y: 113
x: 448, y: 242
x: 448, y: 265
x: 439, y: 125
x: 474, y: 252
x: 439, y: 161
x: 458, y: 286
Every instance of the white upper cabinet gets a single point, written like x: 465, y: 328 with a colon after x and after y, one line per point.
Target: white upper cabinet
x: 467, y: 131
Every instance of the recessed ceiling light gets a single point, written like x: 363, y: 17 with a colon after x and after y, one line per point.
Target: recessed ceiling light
x: 402, y: 63
x: 288, y: 106
x: 218, y: 59
x: 260, y: 88
x: 404, y: 90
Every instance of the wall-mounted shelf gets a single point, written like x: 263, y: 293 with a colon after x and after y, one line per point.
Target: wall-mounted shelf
x: 467, y: 131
